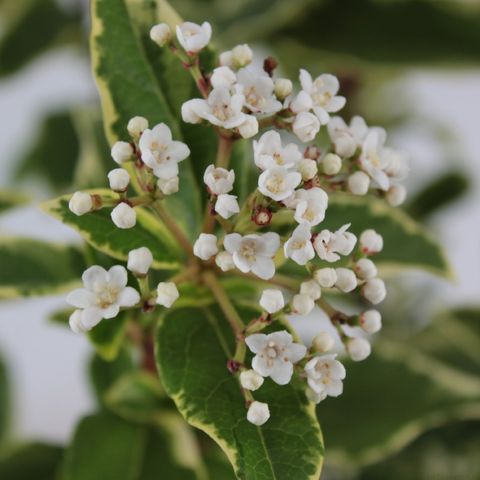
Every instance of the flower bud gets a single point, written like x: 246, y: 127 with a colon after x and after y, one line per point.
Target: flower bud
x: 124, y: 216
x: 139, y: 261
x: 312, y: 152
x: 302, y: 304
x: 371, y: 242
x: 251, y: 380
x: 258, y: 413
x: 227, y: 205
x: 75, y: 322
x: 242, y: 55
x: 332, y: 164
x: 346, y: 279
x: 224, y: 261
x: 358, y: 349
x: 249, y: 127
x: 167, y: 293
x: 136, y: 126
x: 306, y: 126
x: 118, y: 179
x: 326, y: 277
x: 121, y: 152
x: 218, y: 180
x: 323, y: 342
x: 190, y: 110
x: 365, y: 269
x: 80, y: 203
x: 223, y: 77
x: 370, y: 321
x: 311, y: 288
x: 396, y: 195
x: 283, y: 88
x: 168, y: 186
x: 358, y: 183
x: 261, y: 215
x: 161, y: 34
x: 272, y: 300
x: 205, y: 247
x: 374, y: 290
x: 308, y: 168
x: 226, y: 58
x: 193, y: 37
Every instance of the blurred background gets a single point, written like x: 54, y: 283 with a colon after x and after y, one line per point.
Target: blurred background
x: 412, y: 66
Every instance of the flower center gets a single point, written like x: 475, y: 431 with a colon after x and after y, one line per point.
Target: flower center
x: 321, y: 98
x: 278, y: 158
x: 275, y: 184
x: 106, y: 296
x: 248, y: 250
x: 222, y: 111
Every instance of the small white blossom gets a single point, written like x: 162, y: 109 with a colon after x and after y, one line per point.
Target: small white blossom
x: 275, y: 355
x: 365, y: 269
x: 161, y: 34
x: 332, y: 164
x: 118, y: 179
x: 278, y: 183
x: 325, y: 375
x: 396, y: 195
x: 161, y: 153
x: 329, y: 246
x: 193, y: 37
x: 219, y: 180
x: 136, y: 126
x: 374, y: 290
x: 299, y: 246
x: 168, y: 186
x: 140, y: 260
x: 80, y: 203
x: 224, y: 261
x: 358, y: 349
x: 76, y: 322
x: 269, y: 152
x: 358, y: 183
x: 283, y: 88
x: 124, y: 216
x: 272, y: 300
x: 205, y: 247
x: 306, y: 126
x: 371, y: 158
x: 308, y: 168
x: 222, y: 77
x: 242, y: 56
x: 323, y: 342
x: 371, y: 242
x: 251, y: 380
x: 310, y: 206
x: 371, y: 321
x: 253, y: 252
x: 302, y: 304
x: 103, y: 294
x: 249, y: 127
x: 326, y: 277
x: 121, y: 152
x: 227, y: 205
x: 258, y: 413
x: 167, y: 294
x: 347, y: 139
x: 346, y: 279
x: 311, y: 288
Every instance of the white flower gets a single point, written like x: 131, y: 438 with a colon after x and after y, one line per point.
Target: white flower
x: 140, y: 260
x: 242, y: 55
x: 396, y: 195
x: 136, y: 126
x: 161, y: 34
x: 306, y: 126
x: 205, y: 247
x: 118, y: 179
x: 168, y: 186
x: 219, y: 180
x: 346, y: 279
x: 320, y: 95
x: 124, y: 216
x: 308, y: 168
x: 221, y: 108
x: 103, y: 295
x: 253, y: 252
x: 302, y: 304
x: 299, y: 246
x: 161, y: 153
x: 323, y: 342
x: 193, y: 37
x: 311, y: 288
x: 223, y: 77
x: 224, y: 261
x: 347, y: 139
x: 371, y: 158
x: 251, y: 380
x: 332, y: 164
x: 258, y: 413
x: 371, y: 242
x: 272, y: 300
x: 396, y: 163
x: 278, y: 183
x: 329, y: 245
x: 275, y: 355
x: 227, y: 205
x: 374, y: 290
x: 365, y: 269
x: 283, y: 88
x: 257, y: 88
x: 310, y: 206
x: 249, y: 127
x: 167, y: 294
x: 358, y: 183
x: 371, y: 321
x: 326, y: 277
x: 121, y: 152
x: 358, y: 349
x: 325, y: 375
x: 80, y: 203
x: 268, y: 152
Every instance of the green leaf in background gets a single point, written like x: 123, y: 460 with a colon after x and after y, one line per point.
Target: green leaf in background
x: 9, y: 199
x: 98, y: 229
x: 37, y: 461
x: 4, y: 401
x: 192, y: 348
x: 27, y: 268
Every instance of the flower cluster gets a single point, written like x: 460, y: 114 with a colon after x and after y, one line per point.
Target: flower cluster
x: 280, y: 221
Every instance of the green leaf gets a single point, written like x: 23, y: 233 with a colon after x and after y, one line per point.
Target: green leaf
x: 192, y: 348
x: 10, y: 200
x: 37, y: 461
x: 33, y: 267
x: 98, y: 230
x: 4, y: 401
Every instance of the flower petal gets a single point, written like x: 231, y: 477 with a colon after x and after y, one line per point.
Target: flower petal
x: 117, y: 277
x: 81, y: 298
x: 128, y: 297
x: 282, y: 373
x: 93, y: 276
x: 263, y: 267
x: 256, y: 342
